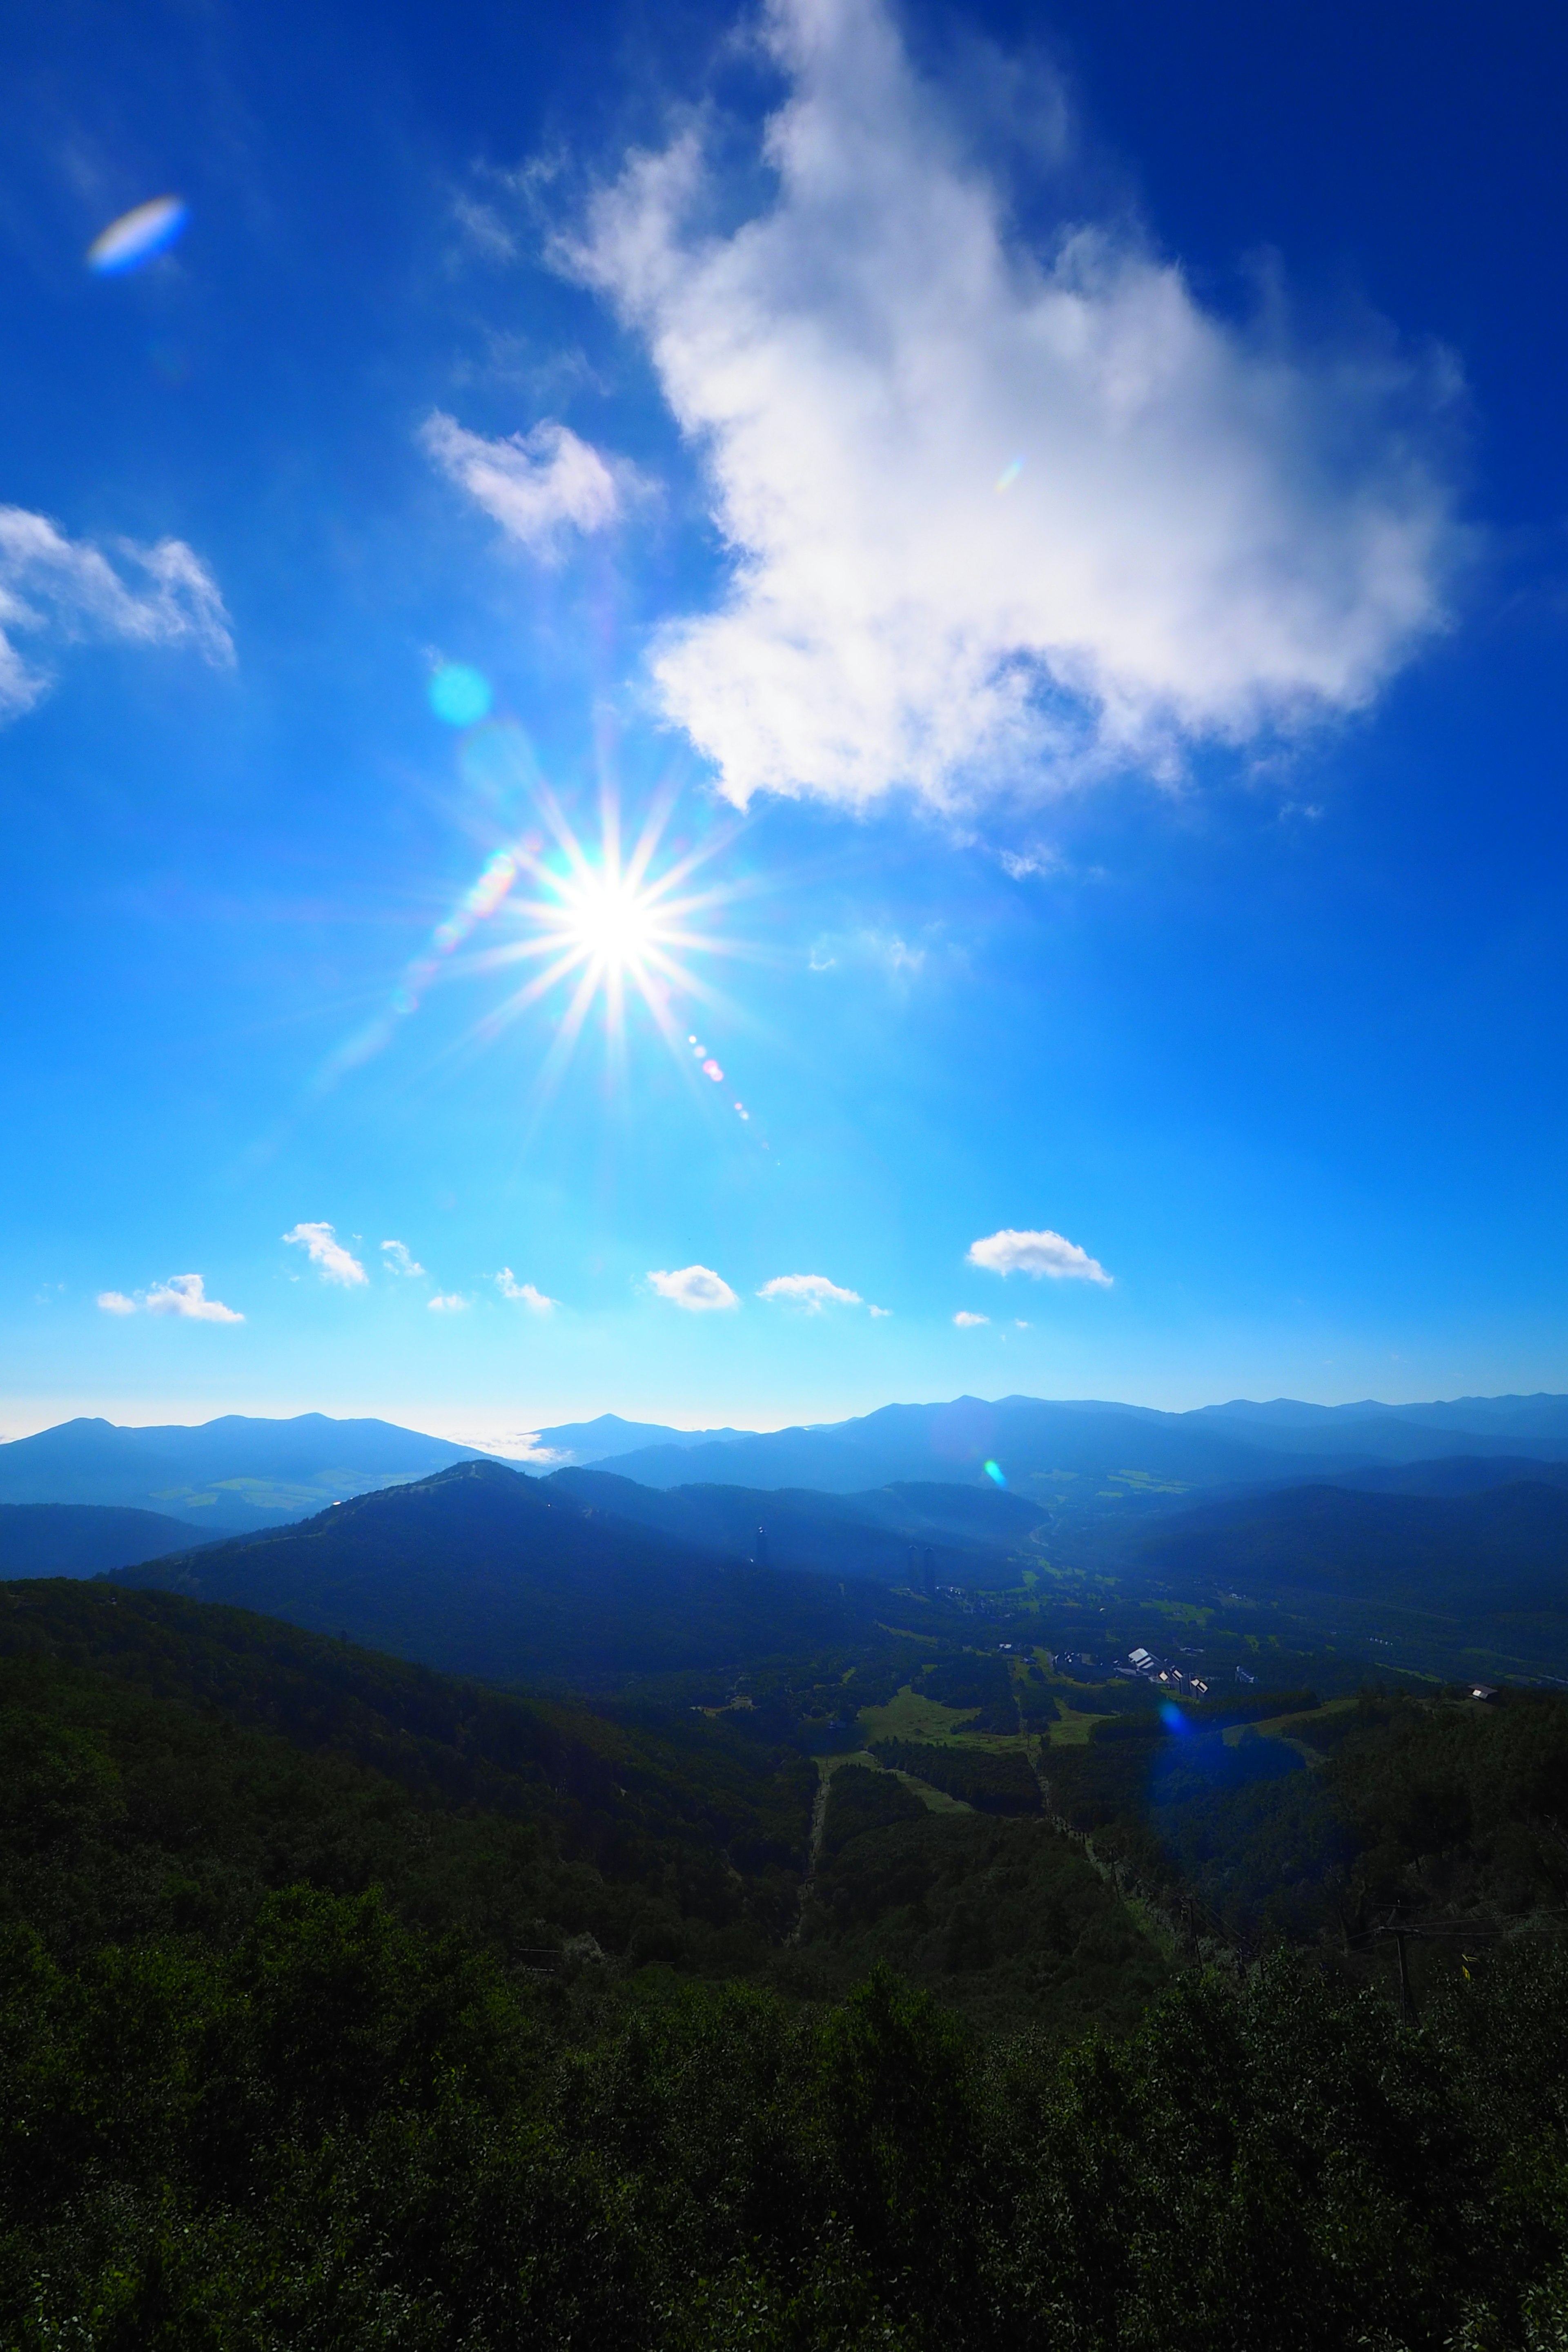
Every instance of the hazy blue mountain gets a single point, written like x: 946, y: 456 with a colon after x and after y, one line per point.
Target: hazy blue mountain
x: 82, y: 1539
x: 969, y: 1532
x: 574, y: 1443
x: 482, y: 1570
x: 224, y: 1476
x: 1034, y: 1441
x: 1534, y: 1427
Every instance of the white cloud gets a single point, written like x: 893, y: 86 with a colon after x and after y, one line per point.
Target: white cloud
x: 696, y: 1287
x: 323, y: 1248
x: 880, y: 1314
x: 1010, y: 1252
x: 57, y: 591
x: 186, y: 1294
x: 524, y: 1293
x: 400, y: 1258
x: 447, y: 1302
x: 968, y: 1322
x: 538, y: 486
x: 812, y: 1291
x: 1211, y: 533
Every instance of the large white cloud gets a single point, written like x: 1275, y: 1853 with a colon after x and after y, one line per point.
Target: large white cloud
x: 1011, y: 1251
x: 538, y: 486
x: 57, y: 591
x: 323, y: 1249
x: 1211, y: 534
x: 696, y: 1287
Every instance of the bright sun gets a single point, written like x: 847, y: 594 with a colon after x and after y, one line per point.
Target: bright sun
x: 610, y: 918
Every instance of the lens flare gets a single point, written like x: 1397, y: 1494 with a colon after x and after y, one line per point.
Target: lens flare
x: 993, y: 1472
x: 603, y: 927
x: 137, y: 236
x: 1172, y: 1718
x: 459, y: 695
x: 1009, y: 474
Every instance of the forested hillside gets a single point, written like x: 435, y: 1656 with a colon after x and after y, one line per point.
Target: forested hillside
x: 347, y: 2003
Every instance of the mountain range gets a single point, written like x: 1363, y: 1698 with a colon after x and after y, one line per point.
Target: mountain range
x: 241, y: 1474
x: 1029, y: 1439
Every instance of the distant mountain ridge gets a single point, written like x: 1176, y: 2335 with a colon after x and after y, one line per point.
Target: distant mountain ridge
x: 235, y: 1475
x: 1029, y: 1438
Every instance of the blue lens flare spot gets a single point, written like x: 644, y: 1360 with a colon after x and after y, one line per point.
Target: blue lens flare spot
x: 136, y: 236
x: 993, y: 1472
x: 1172, y: 1718
x: 459, y: 695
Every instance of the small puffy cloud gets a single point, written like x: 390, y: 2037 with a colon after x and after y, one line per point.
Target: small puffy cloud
x: 447, y: 1302
x: 998, y: 511
x: 57, y: 591
x: 186, y: 1294
x: 538, y: 486
x: 812, y: 1291
x: 696, y: 1287
x: 524, y: 1293
x: 399, y: 1259
x: 880, y: 1314
x: 323, y: 1249
x: 1010, y: 1252
x: 968, y: 1322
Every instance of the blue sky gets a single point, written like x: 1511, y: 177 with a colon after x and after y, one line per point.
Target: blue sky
x: 1056, y: 519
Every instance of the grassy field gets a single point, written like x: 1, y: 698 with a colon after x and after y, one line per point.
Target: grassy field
x: 1071, y: 1730
x: 935, y: 1801
x: 908, y: 1716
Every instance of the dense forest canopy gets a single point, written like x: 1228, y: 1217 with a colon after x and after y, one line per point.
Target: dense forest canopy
x: 346, y: 2001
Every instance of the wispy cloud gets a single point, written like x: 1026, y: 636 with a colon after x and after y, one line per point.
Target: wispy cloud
x: 399, y: 1259
x: 538, y: 486
x: 696, y: 1287
x: 184, y: 1295
x: 968, y: 1322
x: 993, y: 509
x: 1010, y: 1252
x: 56, y: 590
x: 447, y: 1302
x: 323, y: 1248
x: 812, y: 1291
x: 524, y: 1293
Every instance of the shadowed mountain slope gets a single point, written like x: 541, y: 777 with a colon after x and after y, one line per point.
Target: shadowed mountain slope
x: 972, y: 1532
x: 82, y: 1539
x: 482, y: 1570
x: 1478, y: 1557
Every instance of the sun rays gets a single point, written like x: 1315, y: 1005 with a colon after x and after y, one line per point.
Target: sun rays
x: 604, y: 929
